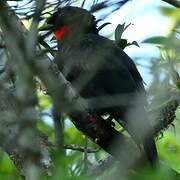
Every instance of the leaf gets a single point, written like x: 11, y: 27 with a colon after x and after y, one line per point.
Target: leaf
x: 46, y: 46
x: 169, y: 11
x: 45, y: 128
x: 127, y: 26
x: 44, y: 101
x: 103, y: 25
x: 157, y: 40
x: 122, y: 43
x: 119, y: 31
x: 135, y: 43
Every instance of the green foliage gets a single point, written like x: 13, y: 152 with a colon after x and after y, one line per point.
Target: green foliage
x: 157, y: 40
x: 170, y: 12
x: 44, y: 100
x: 122, y: 43
x: 7, y: 168
x: 120, y: 30
x: 73, y: 136
x: 46, y: 129
x: 162, y: 173
x: 169, y: 150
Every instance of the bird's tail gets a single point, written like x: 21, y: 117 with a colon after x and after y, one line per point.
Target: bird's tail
x: 136, y: 122
x: 150, y: 149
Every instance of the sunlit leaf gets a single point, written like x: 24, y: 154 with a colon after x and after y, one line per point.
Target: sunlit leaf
x: 169, y: 11
x: 45, y: 128
x: 44, y: 100
x: 157, y: 40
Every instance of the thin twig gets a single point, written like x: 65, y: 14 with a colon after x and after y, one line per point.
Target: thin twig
x: 85, y: 153
x: 58, y: 128
x: 82, y: 5
x: 81, y: 148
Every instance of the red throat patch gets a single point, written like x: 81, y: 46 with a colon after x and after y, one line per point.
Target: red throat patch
x: 59, y: 33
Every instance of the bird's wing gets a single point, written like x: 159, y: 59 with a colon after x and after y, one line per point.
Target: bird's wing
x: 100, y: 66
x: 103, y: 55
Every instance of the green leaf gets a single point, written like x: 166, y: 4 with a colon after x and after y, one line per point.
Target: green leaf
x: 45, y: 128
x: 46, y: 46
x: 157, y: 40
x: 122, y: 43
x: 44, y: 100
x: 119, y: 31
x: 103, y: 25
x: 169, y: 11
x: 135, y: 43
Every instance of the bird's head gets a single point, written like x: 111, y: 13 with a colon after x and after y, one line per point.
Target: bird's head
x: 72, y: 20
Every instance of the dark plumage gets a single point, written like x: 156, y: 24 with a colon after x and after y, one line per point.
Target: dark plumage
x: 97, y: 68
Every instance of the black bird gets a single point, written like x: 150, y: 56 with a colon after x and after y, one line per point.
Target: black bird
x: 103, y: 73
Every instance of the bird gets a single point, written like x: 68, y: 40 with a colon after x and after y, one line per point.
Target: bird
x: 102, y: 73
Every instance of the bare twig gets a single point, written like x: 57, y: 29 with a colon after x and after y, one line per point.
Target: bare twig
x: 100, y: 166
x: 81, y: 148
x: 82, y: 5
x: 85, y: 153
x: 59, y: 137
